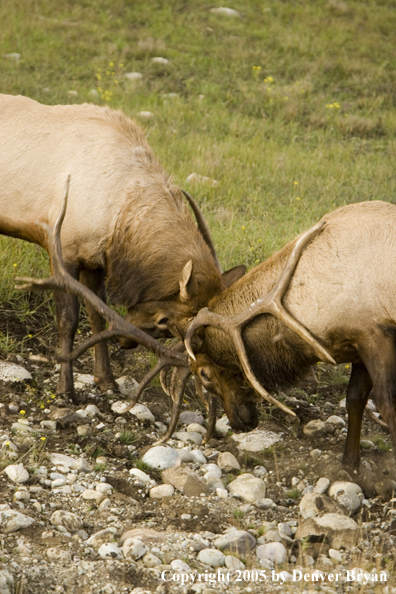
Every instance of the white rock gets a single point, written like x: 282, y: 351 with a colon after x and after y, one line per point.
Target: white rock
x: 104, y: 488
x: 223, y: 10
x: 162, y: 457
x: 196, y: 178
x: 142, y: 413
x: 187, y: 417
x: 13, y: 56
x: 188, y: 437
x: 236, y: 541
x: 159, y: 60
x: 69, y: 520
x: 11, y: 372
x: 133, y: 548
x: 227, y: 462
x: 93, y: 94
x: 223, y: 426
x: 248, y: 487
x: 180, y: 566
x: 142, y: 476
x: 55, y: 554
x: 272, y: 551
x: 350, y: 495
x: 63, y: 460
x: 109, y: 550
x: 20, y: 427
x: 257, y: 440
x: 161, y: 491
x: 127, y: 385
x: 233, y: 563
x: 151, y: 560
x: 340, y: 530
x: 102, y: 536
x: 134, y: 76
x: 93, y: 495
x: 59, y: 482
x: 335, y: 556
x: 316, y: 428
x: 17, y: 473
x: 120, y: 407
x: 195, y: 456
x: 213, y: 469
x: 336, y: 421
x: 220, y: 492
x: 6, y: 582
x: 196, y: 428
x: 322, y: 485
x: 264, y: 503
x: 11, y: 521
x: 83, y: 381
x: 92, y: 410
x: 211, y: 557
x: 145, y: 115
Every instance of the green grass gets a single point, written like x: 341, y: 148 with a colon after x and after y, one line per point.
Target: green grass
x: 256, y: 105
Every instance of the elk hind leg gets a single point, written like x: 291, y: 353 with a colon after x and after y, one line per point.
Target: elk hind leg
x: 358, y: 391
x: 94, y: 280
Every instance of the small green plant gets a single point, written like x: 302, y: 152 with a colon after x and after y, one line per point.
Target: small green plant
x: 294, y: 494
x: 127, y: 437
x: 381, y: 443
x: 73, y: 448
x: 98, y: 451
x: 100, y: 467
x: 142, y: 465
x: 238, y: 514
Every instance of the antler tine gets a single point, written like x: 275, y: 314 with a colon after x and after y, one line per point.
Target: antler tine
x: 61, y: 279
x: 203, y: 227
x: 270, y: 303
x: 210, y: 403
x: 177, y: 400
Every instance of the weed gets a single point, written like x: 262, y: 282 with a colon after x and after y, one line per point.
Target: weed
x: 127, y: 437
x: 294, y: 494
x: 100, y: 467
x: 381, y: 443
x: 238, y: 514
x: 142, y: 465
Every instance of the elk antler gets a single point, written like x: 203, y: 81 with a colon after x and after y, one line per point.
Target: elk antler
x: 61, y: 279
x: 175, y: 390
x: 270, y: 303
x: 203, y: 227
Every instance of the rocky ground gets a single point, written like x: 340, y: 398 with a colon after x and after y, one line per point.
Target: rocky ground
x: 89, y: 504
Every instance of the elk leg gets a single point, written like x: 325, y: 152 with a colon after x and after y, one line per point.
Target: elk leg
x: 358, y: 391
x: 67, y: 309
x: 382, y: 369
x: 94, y: 280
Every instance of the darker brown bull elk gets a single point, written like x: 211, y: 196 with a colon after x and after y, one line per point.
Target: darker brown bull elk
x: 341, y: 291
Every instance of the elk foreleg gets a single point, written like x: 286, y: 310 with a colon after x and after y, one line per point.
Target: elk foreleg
x: 94, y: 280
x: 358, y: 391
x: 67, y: 310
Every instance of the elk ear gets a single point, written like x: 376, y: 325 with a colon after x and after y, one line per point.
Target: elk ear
x: 185, y: 279
x: 229, y: 277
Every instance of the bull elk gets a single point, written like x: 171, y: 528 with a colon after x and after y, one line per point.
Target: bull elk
x: 339, y: 305
x: 126, y: 228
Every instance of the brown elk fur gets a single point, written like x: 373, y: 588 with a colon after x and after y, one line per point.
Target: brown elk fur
x: 344, y: 292
x: 126, y: 222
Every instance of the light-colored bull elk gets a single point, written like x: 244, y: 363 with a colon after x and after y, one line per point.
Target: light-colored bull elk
x: 342, y: 291
x: 127, y: 225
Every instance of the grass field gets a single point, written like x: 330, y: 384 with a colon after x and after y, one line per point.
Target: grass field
x: 289, y: 106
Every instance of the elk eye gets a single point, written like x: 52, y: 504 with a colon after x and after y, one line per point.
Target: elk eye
x: 204, y: 375
x: 162, y: 322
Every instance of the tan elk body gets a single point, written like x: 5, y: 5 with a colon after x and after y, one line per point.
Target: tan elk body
x: 343, y: 291
x: 126, y: 222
